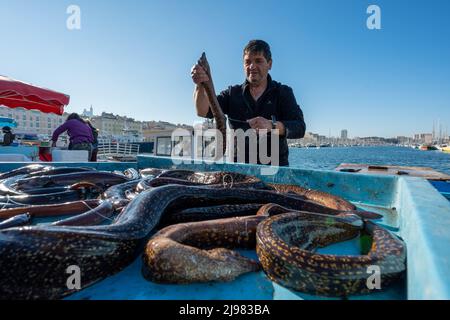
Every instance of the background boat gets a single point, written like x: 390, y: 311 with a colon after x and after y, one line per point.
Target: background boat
x: 428, y: 147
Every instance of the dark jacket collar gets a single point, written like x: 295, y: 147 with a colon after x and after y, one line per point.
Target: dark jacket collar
x: 270, y: 84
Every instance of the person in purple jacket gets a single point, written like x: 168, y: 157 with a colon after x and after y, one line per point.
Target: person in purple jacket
x: 79, y: 132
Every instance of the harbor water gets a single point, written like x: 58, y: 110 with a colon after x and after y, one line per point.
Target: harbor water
x: 329, y: 158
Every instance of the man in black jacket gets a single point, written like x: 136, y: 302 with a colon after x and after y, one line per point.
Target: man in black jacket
x: 260, y: 103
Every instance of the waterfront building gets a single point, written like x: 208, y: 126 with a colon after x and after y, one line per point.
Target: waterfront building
x: 120, y: 128
x: 423, y: 138
x: 344, y: 134
x: 33, y: 122
x: 403, y: 140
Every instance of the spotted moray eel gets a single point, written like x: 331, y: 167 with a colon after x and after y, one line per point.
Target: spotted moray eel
x: 199, y: 251
x: 321, y: 197
x: 286, y: 246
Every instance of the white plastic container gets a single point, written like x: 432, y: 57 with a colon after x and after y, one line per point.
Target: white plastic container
x: 69, y: 155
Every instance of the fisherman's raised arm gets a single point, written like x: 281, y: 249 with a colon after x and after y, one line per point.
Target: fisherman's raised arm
x: 198, y: 76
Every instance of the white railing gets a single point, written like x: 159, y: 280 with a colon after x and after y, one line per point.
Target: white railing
x: 117, y: 151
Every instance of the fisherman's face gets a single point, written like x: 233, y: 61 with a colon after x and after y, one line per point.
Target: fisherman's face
x: 256, y: 67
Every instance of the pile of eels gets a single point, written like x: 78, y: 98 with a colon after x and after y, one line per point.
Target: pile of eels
x: 185, y: 225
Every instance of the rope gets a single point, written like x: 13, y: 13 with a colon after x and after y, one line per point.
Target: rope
x: 96, y: 212
x: 9, y: 200
x: 235, y: 120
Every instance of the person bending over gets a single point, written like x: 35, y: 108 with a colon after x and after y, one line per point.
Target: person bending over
x: 80, y: 134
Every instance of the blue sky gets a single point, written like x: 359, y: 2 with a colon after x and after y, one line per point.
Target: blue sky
x: 134, y: 57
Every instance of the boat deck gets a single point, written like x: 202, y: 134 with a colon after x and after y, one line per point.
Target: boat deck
x: 421, y: 172
x: 440, y: 181
x: 412, y: 209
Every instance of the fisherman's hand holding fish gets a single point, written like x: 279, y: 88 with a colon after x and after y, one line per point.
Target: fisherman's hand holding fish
x: 198, y: 74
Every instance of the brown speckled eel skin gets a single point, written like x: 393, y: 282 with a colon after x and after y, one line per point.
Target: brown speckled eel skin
x: 211, y: 213
x: 34, y: 260
x: 214, y: 105
x: 200, y: 251
x: 286, y: 244
x: 179, y: 253
x: 211, y: 179
x: 321, y: 197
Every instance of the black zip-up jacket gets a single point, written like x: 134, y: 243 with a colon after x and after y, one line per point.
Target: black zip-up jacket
x: 278, y: 100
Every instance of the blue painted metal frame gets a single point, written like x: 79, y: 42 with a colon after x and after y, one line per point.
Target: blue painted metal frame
x: 424, y: 226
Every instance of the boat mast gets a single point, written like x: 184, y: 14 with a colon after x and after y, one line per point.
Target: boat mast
x: 432, y: 136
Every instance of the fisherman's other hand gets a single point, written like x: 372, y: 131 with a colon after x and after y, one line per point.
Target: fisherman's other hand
x: 260, y: 123
x: 198, y: 74
x: 54, y: 144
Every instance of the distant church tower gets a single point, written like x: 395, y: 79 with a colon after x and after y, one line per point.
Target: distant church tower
x: 89, y: 113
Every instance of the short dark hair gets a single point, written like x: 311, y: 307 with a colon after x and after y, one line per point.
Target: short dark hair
x: 75, y: 116
x: 258, y: 46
